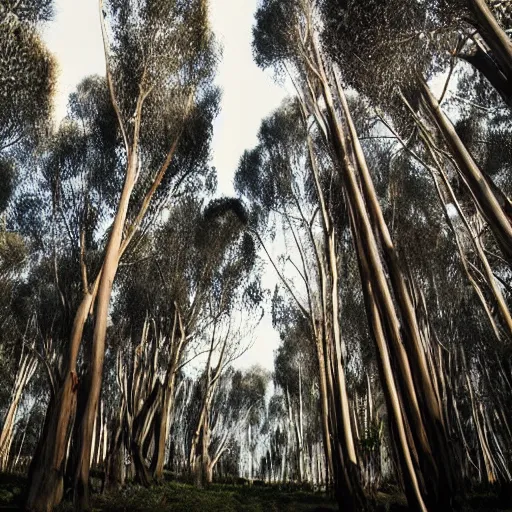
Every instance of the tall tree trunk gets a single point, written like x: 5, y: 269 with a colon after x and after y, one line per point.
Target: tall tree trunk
x: 493, y: 35
x: 429, y: 487
x: 423, y: 379
x: 27, y: 367
x: 110, y: 265
x: 324, y: 409
x: 477, y: 182
x: 345, y: 468
x: 391, y: 389
x: 162, y: 432
x: 47, y: 468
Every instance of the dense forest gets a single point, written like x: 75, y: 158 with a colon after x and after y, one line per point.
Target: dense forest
x: 377, y: 196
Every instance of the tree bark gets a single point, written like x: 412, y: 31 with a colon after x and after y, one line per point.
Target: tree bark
x: 391, y: 390
x: 27, y: 367
x: 423, y: 379
x: 484, y: 197
x: 47, y: 467
x: 110, y: 266
x: 483, y: 63
x: 493, y: 35
x: 114, y: 462
x: 162, y: 431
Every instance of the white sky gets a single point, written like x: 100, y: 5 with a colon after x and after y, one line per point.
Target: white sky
x: 249, y: 94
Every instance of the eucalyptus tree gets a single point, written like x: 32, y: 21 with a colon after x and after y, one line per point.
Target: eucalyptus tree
x: 188, y: 257
x: 400, y: 62
x: 471, y: 187
x: 233, y: 311
x: 20, y: 325
x: 276, y: 178
x: 27, y: 365
x: 65, y: 197
x: 295, y: 375
x: 440, y: 243
x: 160, y: 58
x: 294, y: 46
x: 437, y: 32
x: 17, y: 340
x: 27, y: 77
x: 396, y: 93
x: 483, y: 38
x: 27, y: 72
x: 236, y: 409
x: 245, y: 412
x: 274, y: 465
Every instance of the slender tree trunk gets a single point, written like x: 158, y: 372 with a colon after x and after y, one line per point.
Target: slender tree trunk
x: 423, y: 379
x: 26, y: 369
x: 391, y: 390
x: 346, y: 464
x: 342, y: 147
x: 110, y: 265
x: 382, y: 291
x: 478, y: 184
x: 477, y: 244
x: 324, y: 409
x: 493, y: 35
x: 162, y: 430
x: 249, y: 443
x: 168, y: 401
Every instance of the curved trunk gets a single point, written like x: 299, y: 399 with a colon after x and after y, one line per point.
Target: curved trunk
x: 391, y: 390
x: 382, y: 291
x: 428, y: 488
x: 110, y: 265
x: 47, y: 468
x: 344, y: 466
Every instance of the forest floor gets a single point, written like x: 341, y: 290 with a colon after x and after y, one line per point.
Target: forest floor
x: 181, y: 497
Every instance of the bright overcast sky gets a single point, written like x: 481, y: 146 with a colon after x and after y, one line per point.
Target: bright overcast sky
x: 249, y: 94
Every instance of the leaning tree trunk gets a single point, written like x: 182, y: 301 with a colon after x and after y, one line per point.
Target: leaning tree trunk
x: 26, y: 369
x: 343, y: 148
x: 423, y: 378
x: 344, y: 465
x: 391, y: 389
x: 46, y: 474
x: 485, y: 64
x: 110, y: 265
x: 493, y: 35
x: 47, y: 468
x: 484, y: 197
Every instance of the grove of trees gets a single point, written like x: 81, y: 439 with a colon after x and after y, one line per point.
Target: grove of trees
x: 377, y: 196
